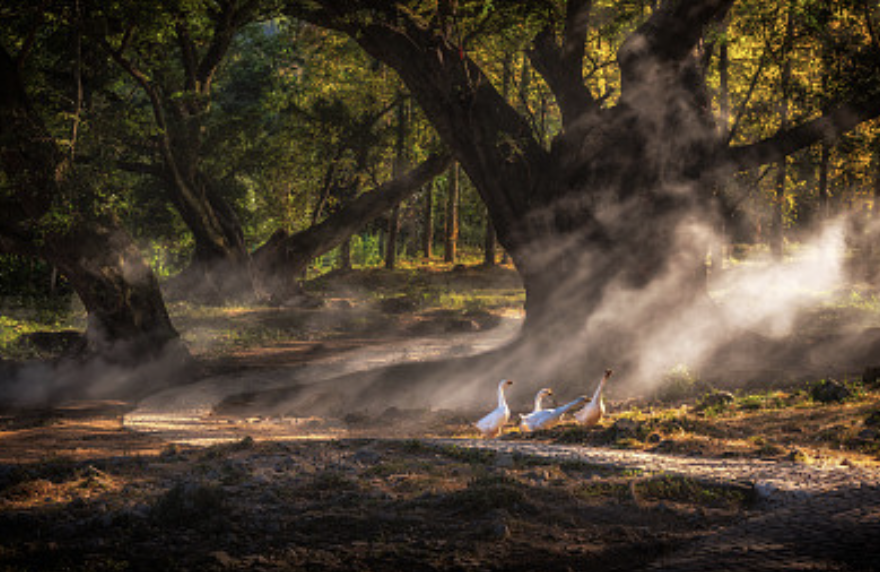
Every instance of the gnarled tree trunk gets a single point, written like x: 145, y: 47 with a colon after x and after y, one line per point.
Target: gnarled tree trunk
x: 606, y: 227
x: 128, y: 323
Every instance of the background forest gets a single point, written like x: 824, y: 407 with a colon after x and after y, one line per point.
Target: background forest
x: 221, y: 148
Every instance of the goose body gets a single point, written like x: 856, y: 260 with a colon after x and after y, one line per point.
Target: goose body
x: 492, y: 423
x: 595, y: 409
x: 541, y: 418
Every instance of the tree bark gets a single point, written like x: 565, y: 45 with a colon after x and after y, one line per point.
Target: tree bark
x: 400, y: 165
x: 489, y: 244
x: 428, y: 222
x: 450, y: 235
x: 344, y: 263
x: 391, y: 242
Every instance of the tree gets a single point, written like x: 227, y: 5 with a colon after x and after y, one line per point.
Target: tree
x: 400, y: 164
x: 776, y: 240
x: 180, y: 100
x: 428, y: 222
x: 294, y: 252
x: 50, y: 209
x: 609, y: 209
x: 450, y: 229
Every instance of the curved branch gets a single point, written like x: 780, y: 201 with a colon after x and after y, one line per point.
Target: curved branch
x: 831, y: 125
x: 493, y: 142
x: 301, y: 248
x: 228, y: 22
x: 564, y: 78
x: 562, y: 66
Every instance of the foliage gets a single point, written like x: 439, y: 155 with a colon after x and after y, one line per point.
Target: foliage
x: 677, y: 384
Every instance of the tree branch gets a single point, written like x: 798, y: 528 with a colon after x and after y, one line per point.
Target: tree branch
x: 829, y: 126
x: 227, y: 23
x: 667, y: 37
x: 473, y: 119
x: 562, y: 66
x: 187, y: 55
x: 574, y: 43
x: 301, y: 248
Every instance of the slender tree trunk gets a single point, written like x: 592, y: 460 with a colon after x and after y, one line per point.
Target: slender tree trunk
x: 876, y: 210
x: 718, y: 254
x: 391, y: 241
x: 400, y: 165
x: 344, y: 262
x: 778, y: 235
x: 489, y: 243
x: 428, y: 222
x: 450, y: 237
x: 824, y: 191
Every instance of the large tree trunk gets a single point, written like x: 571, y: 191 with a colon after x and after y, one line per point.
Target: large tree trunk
x: 607, y: 227
x: 127, y: 320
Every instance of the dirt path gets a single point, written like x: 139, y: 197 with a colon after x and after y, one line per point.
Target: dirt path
x: 819, y: 516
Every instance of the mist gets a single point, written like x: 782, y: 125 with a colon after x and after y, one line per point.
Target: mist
x: 758, y: 298
x: 747, y: 325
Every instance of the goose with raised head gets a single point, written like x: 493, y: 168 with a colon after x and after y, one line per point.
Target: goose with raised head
x: 593, y: 411
x: 491, y: 424
x: 541, y: 418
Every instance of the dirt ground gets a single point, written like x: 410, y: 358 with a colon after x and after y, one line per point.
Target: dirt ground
x: 81, y: 492
x: 78, y: 491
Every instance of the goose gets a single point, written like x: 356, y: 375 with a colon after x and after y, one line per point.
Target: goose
x: 490, y: 425
x: 541, y: 418
x: 595, y: 409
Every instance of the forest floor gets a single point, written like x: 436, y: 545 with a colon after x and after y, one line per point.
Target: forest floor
x: 666, y: 482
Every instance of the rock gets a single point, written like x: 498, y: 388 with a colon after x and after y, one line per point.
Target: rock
x: 765, y: 490
x: 830, y: 391
x: 873, y: 419
x: 504, y: 461
x: 367, y: 457
x: 223, y: 559
x: 871, y: 376
x: 626, y: 427
x: 798, y: 456
x: 867, y: 435
x: 717, y: 399
x: 398, y: 305
x: 462, y: 325
x: 664, y: 446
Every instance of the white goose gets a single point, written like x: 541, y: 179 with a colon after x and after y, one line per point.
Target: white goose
x: 595, y: 409
x: 541, y: 418
x: 491, y: 425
